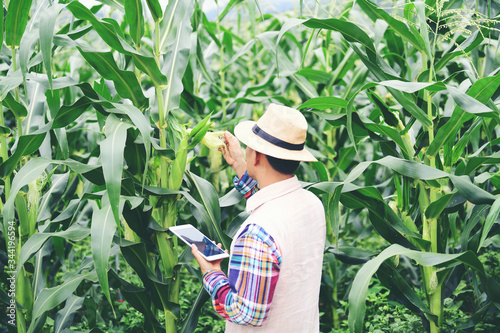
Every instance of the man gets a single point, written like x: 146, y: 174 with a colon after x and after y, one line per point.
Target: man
x: 277, y: 255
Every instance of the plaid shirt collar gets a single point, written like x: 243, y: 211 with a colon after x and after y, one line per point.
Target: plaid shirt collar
x: 271, y: 192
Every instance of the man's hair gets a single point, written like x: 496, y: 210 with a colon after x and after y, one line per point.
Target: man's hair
x: 286, y: 167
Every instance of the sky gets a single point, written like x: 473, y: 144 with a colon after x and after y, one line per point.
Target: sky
x: 210, y: 7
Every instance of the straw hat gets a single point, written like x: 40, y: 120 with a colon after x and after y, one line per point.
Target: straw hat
x: 280, y: 132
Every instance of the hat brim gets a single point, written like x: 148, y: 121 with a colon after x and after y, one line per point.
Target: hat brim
x: 243, y: 131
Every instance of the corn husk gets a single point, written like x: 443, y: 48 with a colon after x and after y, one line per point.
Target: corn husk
x: 214, y: 140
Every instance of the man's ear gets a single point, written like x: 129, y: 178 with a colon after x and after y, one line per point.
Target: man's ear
x: 258, y: 158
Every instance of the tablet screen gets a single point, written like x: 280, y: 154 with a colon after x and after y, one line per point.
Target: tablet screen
x: 205, y: 245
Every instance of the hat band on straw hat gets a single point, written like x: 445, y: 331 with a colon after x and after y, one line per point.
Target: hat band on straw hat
x: 275, y: 141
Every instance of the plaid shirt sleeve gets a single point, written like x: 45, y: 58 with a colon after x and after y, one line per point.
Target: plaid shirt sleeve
x: 245, y: 297
x: 246, y: 185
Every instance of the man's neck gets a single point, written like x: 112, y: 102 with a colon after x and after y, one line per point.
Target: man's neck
x: 270, y: 178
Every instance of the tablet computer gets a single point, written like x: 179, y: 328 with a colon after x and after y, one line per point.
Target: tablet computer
x: 190, y: 235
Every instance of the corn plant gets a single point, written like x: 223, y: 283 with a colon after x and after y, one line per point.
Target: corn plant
x: 99, y: 154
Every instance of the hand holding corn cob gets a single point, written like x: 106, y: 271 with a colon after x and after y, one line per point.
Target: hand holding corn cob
x: 233, y: 154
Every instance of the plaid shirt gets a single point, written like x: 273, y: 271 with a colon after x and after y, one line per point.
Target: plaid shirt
x: 245, y: 297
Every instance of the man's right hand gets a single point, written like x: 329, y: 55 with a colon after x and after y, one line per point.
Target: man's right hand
x: 233, y: 154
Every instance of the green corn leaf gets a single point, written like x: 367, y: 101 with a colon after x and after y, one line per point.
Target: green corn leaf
x: 406, y: 102
x: 482, y: 90
x: 74, y: 233
x: 64, y: 317
x: 459, y: 148
x: 475, y: 162
x: 474, y: 217
x: 178, y: 166
x: 415, y: 170
x: 10, y: 82
x: 436, y: 208
x: 102, y: 231
x: 378, y: 67
x: 30, y: 172
x: 490, y: 220
x: 387, y: 223
x: 469, y: 44
x: 149, y: 66
x: 46, y: 35
x: 118, y: 4
x: 334, y: 211
x: 231, y: 198
x: 350, y: 31
x: 399, y: 288
x: 350, y: 131
x: 155, y: 9
x: 393, y: 134
x: 321, y: 170
x: 135, y: 19
x: 1, y: 25
x: 160, y: 191
x: 105, y: 29
x: 389, y: 117
x: 67, y: 114
x: 52, y: 196
x: 231, y: 4
x: 26, y: 49
x: 112, y: 160
x: 57, y: 83
x: 190, y: 322
x: 236, y: 223
x: 176, y: 14
x: 303, y: 84
x: 142, y: 123
x: 126, y: 82
x: 468, y: 103
x: 5, y: 131
x: 16, y: 21
x: 411, y: 87
x: 26, y: 145
x: 139, y: 220
x: 38, y: 280
x: 283, y: 62
x: 140, y: 299
x: 424, y: 29
x: 136, y: 255
x: 200, y: 60
x: 177, y: 59
x: 52, y: 297
x: 210, y: 29
x: 17, y: 108
x: 397, y: 26
x: 208, y: 207
x: 36, y: 109
x: 199, y: 131
x: 316, y: 75
x: 357, y: 295
x: 289, y: 24
x: 350, y: 255
x: 22, y: 214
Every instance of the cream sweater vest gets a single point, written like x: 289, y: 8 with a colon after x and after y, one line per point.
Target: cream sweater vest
x: 295, y: 218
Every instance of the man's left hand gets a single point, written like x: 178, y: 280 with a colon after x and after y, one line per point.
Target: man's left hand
x: 205, y: 265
